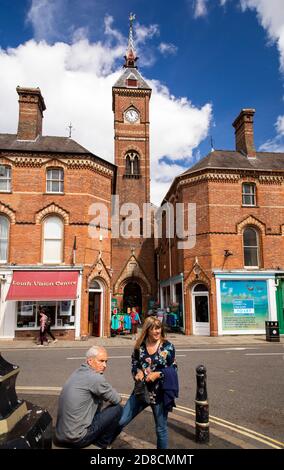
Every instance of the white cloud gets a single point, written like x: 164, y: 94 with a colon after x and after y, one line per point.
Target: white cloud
x: 167, y: 48
x: 76, y: 81
x: 43, y: 16
x: 200, y: 8
x: 280, y: 125
x: 276, y: 144
x: 270, y: 14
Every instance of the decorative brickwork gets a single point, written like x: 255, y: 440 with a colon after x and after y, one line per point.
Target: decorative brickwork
x: 52, y: 209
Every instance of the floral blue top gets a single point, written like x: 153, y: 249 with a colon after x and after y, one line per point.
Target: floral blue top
x: 162, y: 358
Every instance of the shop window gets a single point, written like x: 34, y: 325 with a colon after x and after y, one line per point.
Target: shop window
x: 5, y: 179
x: 27, y: 315
x: 55, y: 180
x: 248, y: 194
x: 251, y: 247
x: 4, y: 238
x: 132, y: 165
x: 61, y: 313
x: 53, y: 240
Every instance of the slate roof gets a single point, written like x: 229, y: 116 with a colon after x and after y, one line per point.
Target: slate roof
x: 232, y: 160
x: 121, y: 82
x: 41, y: 144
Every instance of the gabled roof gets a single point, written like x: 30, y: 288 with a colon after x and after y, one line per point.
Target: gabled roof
x: 121, y: 82
x: 41, y: 144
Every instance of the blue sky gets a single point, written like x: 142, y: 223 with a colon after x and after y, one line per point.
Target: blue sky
x: 205, y: 59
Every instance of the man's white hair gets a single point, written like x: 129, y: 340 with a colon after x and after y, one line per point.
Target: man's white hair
x: 93, y: 351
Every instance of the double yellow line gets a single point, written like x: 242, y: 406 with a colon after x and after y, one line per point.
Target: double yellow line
x: 238, y: 429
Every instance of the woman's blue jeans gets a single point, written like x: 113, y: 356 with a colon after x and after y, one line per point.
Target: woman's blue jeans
x: 133, y: 407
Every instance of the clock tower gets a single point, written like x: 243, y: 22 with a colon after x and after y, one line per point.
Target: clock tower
x: 132, y: 256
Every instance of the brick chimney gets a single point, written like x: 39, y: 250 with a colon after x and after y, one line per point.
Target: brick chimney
x: 31, y: 107
x: 243, y: 125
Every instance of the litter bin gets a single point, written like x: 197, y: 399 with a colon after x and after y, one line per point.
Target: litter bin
x: 272, y: 331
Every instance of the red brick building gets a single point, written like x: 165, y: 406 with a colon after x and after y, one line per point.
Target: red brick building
x: 134, y: 281
x: 226, y: 283
x: 47, y: 254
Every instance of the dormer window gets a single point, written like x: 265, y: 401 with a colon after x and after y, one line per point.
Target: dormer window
x: 131, y: 80
x: 248, y: 194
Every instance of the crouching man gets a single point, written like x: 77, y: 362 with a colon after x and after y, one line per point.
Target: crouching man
x: 80, y: 419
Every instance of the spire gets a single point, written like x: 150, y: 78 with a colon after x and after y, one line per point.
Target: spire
x: 130, y: 57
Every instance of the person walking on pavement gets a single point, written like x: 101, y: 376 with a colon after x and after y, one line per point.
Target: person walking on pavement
x: 154, y: 368
x: 80, y: 419
x: 48, y: 329
x: 42, y: 327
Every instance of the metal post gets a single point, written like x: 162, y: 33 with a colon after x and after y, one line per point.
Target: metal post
x: 201, y: 407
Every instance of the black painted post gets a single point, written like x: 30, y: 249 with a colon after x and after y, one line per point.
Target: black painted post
x: 201, y: 407
x: 22, y: 424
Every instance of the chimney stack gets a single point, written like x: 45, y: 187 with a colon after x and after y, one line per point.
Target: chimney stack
x: 31, y: 107
x: 243, y: 125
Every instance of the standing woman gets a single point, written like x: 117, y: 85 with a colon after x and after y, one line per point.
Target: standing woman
x: 153, y: 361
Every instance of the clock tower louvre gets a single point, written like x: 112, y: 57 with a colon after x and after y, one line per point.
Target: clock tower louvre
x: 130, y: 103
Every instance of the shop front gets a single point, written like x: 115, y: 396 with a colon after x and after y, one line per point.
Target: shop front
x: 245, y: 301
x: 171, y: 295
x: 57, y: 291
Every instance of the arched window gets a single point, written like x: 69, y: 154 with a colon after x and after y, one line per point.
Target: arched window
x: 54, y: 180
x: 4, y: 236
x: 127, y: 165
x: 52, y: 240
x: 136, y: 165
x: 95, y: 285
x: 132, y: 167
x: 251, y: 247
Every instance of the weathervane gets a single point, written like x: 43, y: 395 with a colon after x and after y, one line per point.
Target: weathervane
x: 70, y: 127
x: 131, y: 18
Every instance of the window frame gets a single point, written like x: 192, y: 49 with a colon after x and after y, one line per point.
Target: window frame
x: 54, y: 180
x: 3, y: 216
x: 249, y: 195
x: 132, y: 163
x: 7, y: 178
x: 44, y: 260
x: 250, y: 246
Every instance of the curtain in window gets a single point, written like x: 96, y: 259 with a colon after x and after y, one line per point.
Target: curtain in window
x: 53, y: 238
x: 251, y: 255
x: 4, y: 233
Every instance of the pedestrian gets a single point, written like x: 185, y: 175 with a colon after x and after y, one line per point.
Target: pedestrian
x: 135, y: 320
x: 42, y: 327
x: 80, y: 419
x: 154, y: 369
x: 48, y: 329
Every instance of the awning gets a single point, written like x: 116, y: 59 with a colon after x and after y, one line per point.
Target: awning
x: 43, y: 285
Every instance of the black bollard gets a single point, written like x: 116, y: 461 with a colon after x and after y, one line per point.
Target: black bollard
x: 22, y: 424
x: 201, y: 407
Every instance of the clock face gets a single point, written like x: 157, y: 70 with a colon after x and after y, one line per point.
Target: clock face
x: 131, y: 115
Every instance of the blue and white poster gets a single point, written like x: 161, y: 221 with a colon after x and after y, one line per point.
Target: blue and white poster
x: 244, y: 305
